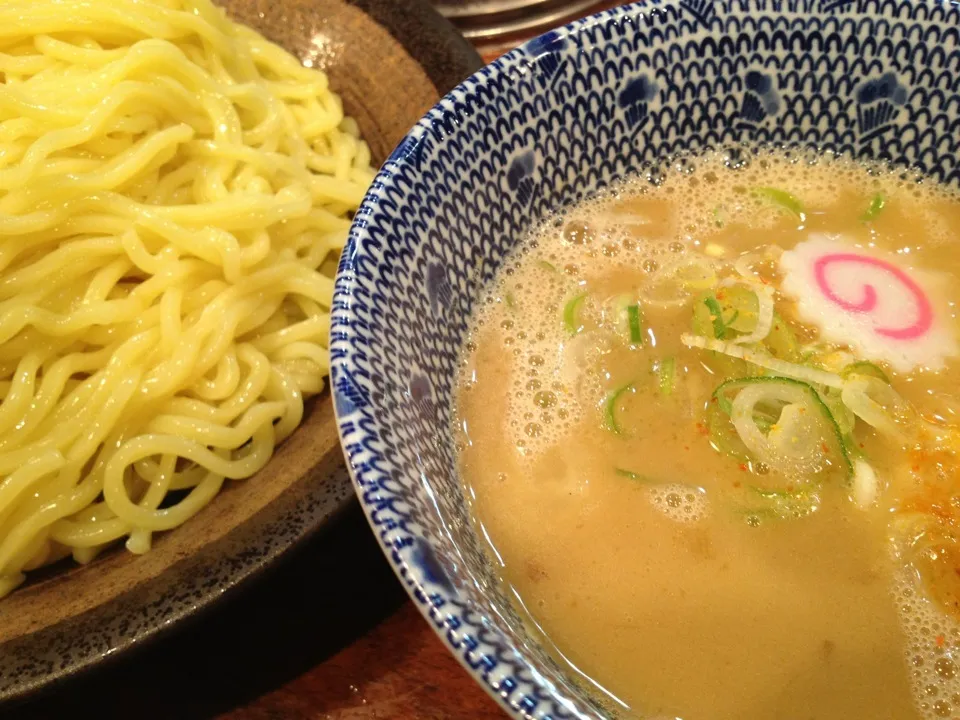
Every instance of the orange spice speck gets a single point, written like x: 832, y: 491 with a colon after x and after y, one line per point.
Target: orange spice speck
x: 941, y: 641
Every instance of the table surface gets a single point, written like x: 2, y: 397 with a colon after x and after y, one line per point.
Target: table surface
x: 327, y: 634
x: 290, y: 647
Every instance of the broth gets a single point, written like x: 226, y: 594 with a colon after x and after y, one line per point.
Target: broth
x: 677, y: 572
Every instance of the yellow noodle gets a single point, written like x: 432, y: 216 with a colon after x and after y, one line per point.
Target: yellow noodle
x: 174, y: 193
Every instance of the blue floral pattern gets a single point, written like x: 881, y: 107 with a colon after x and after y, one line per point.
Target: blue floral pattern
x: 547, y: 125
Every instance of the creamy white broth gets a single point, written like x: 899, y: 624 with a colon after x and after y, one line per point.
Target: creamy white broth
x: 651, y: 561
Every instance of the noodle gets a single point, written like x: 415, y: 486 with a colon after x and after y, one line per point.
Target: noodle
x: 174, y: 191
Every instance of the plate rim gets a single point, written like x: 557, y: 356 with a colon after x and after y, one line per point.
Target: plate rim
x: 446, y: 59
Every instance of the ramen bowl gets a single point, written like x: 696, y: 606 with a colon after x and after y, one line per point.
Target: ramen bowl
x: 546, y: 126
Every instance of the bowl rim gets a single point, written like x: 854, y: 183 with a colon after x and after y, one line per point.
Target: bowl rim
x: 344, y: 286
x: 410, y: 577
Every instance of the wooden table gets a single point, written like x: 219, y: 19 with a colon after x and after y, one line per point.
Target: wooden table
x: 329, y: 634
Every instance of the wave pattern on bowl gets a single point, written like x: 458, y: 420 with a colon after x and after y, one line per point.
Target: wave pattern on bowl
x: 542, y: 128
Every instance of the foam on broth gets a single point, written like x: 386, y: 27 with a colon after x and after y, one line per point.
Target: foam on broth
x: 631, y: 541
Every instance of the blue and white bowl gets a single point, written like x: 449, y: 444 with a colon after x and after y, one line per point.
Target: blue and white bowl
x: 544, y: 127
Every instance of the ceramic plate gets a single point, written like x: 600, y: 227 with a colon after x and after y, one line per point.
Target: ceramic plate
x: 390, y: 60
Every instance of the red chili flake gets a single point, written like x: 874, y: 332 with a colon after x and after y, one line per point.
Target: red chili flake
x: 736, y: 483
x: 686, y: 447
x: 743, y: 467
x: 702, y: 429
x: 789, y: 488
x: 824, y: 447
x: 915, y: 468
x: 941, y: 641
x: 862, y: 445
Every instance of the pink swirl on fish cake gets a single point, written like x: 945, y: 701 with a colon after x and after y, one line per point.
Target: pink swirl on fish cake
x: 924, y: 319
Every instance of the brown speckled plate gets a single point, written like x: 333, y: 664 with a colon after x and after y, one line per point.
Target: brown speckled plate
x: 390, y: 60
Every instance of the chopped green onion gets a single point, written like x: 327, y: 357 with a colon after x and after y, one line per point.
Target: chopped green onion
x: 631, y: 475
x: 877, y: 205
x: 633, y: 320
x: 723, y: 436
x: 610, y: 408
x: 772, y: 396
x: 853, y: 447
x: 668, y: 373
x: 781, y: 341
x: 510, y: 300
x: 723, y: 391
x: 745, y: 305
x: 845, y: 418
x: 864, y: 367
x: 763, y: 360
x: 716, y: 314
x: 865, y: 484
x: 783, y: 199
x: 783, y: 504
x: 547, y: 266
x: 879, y: 405
x: 570, y: 313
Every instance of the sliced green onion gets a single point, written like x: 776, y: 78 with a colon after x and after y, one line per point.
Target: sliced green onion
x: 853, y: 448
x: 864, y: 367
x: 723, y: 393
x: 631, y: 475
x: 776, y: 366
x: 781, y: 341
x: 668, y: 375
x: 633, y: 320
x: 783, y: 504
x: 745, y: 305
x: 716, y: 314
x: 570, y: 313
x: 723, y: 436
x: 610, y: 408
x: 547, y: 266
x: 865, y: 484
x: 783, y: 199
x: 844, y: 416
x: 879, y: 405
x: 877, y: 205
x: 770, y: 401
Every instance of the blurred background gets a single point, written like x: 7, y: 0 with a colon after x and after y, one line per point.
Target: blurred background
x: 496, y: 26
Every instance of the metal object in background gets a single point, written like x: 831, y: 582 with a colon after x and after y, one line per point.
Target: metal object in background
x: 498, y: 21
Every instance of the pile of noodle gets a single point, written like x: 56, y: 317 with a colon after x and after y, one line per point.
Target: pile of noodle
x: 174, y: 191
